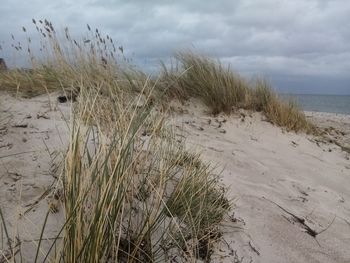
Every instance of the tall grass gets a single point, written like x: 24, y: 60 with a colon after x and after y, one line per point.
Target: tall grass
x: 219, y: 87
x: 131, y: 192
x: 131, y: 198
x: 223, y: 90
x: 64, y: 62
x: 282, y: 113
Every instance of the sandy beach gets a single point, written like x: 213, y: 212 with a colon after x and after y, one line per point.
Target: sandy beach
x: 290, y: 191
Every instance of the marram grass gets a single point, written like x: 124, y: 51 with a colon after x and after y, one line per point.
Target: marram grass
x: 135, y: 194
x: 223, y: 90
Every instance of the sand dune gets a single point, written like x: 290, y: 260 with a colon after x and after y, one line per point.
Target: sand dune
x: 274, y: 175
x: 291, y: 191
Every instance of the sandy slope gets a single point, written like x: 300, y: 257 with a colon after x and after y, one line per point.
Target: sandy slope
x: 33, y: 137
x: 271, y: 175
x: 337, y: 126
x: 269, y: 170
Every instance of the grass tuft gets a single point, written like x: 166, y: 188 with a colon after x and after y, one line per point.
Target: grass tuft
x: 223, y: 90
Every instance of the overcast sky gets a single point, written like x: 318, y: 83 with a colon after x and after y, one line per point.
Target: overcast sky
x: 302, y: 46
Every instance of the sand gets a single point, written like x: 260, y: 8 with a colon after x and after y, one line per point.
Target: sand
x: 290, y: 191
x: 33, y: 139
x: 336, y: 127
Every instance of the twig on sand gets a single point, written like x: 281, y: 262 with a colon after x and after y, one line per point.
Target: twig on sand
x: 254, y: 248
x: 22, y: 125
x: 6, y: 145
x: 299, y: 219
x: 302, y: 221
x: 233, y: 253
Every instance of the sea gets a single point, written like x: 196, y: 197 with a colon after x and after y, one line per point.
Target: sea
x: 321, y: 103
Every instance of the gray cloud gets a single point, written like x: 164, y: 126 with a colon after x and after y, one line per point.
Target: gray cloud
x: 304, y: 42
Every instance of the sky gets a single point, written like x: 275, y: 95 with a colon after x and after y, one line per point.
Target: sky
x: 301, y: 46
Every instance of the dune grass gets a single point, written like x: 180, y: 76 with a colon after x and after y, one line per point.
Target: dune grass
x: 130, y: 190
x: 203, y: 77
x: 66, y: 63
x: 282, y: 113
x: 223, y: 90
x: 132, y: 197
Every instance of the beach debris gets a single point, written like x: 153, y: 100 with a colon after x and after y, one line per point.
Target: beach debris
x: 302, y: 221
x: 14, y: 176
x: 8, y: 145
x: 20, y: 125
x: 221, y: 119
x: 294, y: 144
x: 2, y: 64
x: 253, y: 138
x: 62, y: 99
x: 42, y: 115
x: 254, y: 248
x: 199, y: 128
x: 69, y: 95
x: 215, y: 150
x: 235, y: 219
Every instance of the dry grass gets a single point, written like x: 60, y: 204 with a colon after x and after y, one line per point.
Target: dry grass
x: 131, y: 197
x: 67, y: 63
x: 282, y: 113
x: 202, y: 77
x: 132, y: 194
x: 223, y: 90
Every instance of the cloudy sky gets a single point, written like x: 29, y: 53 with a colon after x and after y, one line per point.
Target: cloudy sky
x: 302, y: 46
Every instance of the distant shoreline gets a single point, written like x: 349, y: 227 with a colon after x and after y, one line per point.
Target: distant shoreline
x: 326, y: 114
x: 339, y: 104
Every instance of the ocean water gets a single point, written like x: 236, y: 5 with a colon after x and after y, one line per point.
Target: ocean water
x: 321, y: 103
